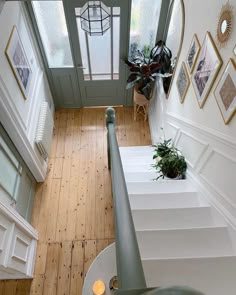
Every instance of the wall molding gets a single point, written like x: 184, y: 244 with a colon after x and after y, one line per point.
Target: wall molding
x: 177, y: 130
x: 10, y: 213
x: 230, y: 141
x: 193, y: 138
x: 10, y: 104
x: 209, y: 182
x: 19, y: 138
x: 211, y: 199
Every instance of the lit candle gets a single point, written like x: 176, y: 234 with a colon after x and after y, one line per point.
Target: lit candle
x: 99, y: 287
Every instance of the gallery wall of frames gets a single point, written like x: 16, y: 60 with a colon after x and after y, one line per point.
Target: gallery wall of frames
x: 200, y: 111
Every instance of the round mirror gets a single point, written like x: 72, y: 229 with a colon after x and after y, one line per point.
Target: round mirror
x: 174, y: 33
x: 223, y: 26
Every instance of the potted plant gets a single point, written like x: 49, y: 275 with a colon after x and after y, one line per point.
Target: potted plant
x: 146, y: 67
x: 170, y: 162
x: 162, y: 149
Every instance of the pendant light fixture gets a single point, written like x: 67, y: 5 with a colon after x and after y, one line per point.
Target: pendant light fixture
x: 95, y: 18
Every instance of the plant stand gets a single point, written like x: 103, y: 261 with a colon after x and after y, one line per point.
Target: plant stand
x: 140, y: 105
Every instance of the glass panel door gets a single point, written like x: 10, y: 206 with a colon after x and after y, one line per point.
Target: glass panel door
x: 100, y: 54
x: 52, y: 34
x: 100, y: 68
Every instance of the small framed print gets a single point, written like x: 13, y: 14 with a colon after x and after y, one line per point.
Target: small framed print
x: 207, y: 67
x: 225, y: 92
x: 193, y: 53
x: 182, y: 82
x: 18, y: 61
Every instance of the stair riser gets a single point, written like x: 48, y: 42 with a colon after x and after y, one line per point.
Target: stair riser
x: 163, y: 201
x: 169, y: 186
x: 174, y: 218
x: 140, y: 176
x: 212, y: 276
x: 205, y: 242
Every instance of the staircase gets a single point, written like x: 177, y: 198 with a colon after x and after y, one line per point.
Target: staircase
x: 182, y: 239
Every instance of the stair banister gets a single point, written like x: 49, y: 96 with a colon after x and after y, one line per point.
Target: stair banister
x: 129, y: 266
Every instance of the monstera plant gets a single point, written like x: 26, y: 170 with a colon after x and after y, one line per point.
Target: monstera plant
x: 144, y: 69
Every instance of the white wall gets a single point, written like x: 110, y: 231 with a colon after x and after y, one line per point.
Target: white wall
x: 208, y: 144
x: 19, y: 116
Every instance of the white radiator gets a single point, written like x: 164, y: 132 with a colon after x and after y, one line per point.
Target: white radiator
x: 44, y: 130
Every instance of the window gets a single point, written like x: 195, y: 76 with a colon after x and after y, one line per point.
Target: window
x: 143, y: 25
x: 52, y: 27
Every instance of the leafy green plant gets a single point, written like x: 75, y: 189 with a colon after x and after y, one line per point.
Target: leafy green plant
x: 145, y: 69
x: 171, y: 164
x: 162, y: 149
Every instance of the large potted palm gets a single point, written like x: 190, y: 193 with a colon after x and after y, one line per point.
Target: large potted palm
x: 145, y: 68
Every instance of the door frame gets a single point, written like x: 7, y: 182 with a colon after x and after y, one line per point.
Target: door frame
x: 128, y: 94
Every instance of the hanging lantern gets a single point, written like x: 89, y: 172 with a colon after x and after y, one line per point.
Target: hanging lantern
x: 95, y: 18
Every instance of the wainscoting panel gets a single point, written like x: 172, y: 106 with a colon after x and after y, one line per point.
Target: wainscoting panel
x: 172, y: 131
x: 223, y: 178
x: 193, y: 154
x: 211, y: 158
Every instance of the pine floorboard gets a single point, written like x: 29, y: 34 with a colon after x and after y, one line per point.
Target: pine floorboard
x: 73, y: 210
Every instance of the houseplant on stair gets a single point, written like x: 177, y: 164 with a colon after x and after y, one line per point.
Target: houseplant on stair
x: 145, y: 67
x: 170, y: 162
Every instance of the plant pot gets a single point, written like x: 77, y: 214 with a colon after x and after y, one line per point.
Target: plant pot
x: 140, y: 105
x: 175, y: 178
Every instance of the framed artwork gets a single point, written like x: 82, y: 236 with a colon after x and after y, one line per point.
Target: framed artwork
x: 182, y: 82
x: 225, y: 92
x: 193, y: 53
x: 18, y: 61
x: 207, y: 67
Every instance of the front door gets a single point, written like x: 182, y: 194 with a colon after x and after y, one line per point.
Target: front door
x: 83, y: 70
x: 100, y: 59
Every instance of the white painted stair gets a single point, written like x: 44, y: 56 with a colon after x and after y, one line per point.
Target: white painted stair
x: 182, y: 239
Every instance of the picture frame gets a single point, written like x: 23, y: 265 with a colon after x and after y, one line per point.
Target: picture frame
x: 18, y: 61
x: 182, y: 82
x: 193, y: 53
x: 225, y: 92
x: 207, y: 67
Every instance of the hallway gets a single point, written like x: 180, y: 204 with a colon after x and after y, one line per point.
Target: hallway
x: 73, y: 208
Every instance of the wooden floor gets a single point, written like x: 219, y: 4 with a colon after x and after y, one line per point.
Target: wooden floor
x: 73, y: 210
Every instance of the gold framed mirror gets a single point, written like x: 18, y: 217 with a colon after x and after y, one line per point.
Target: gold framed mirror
x: 225, y: 24
x: 174, y: 34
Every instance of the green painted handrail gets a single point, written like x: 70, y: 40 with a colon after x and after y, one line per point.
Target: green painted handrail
x: 129, y: 266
